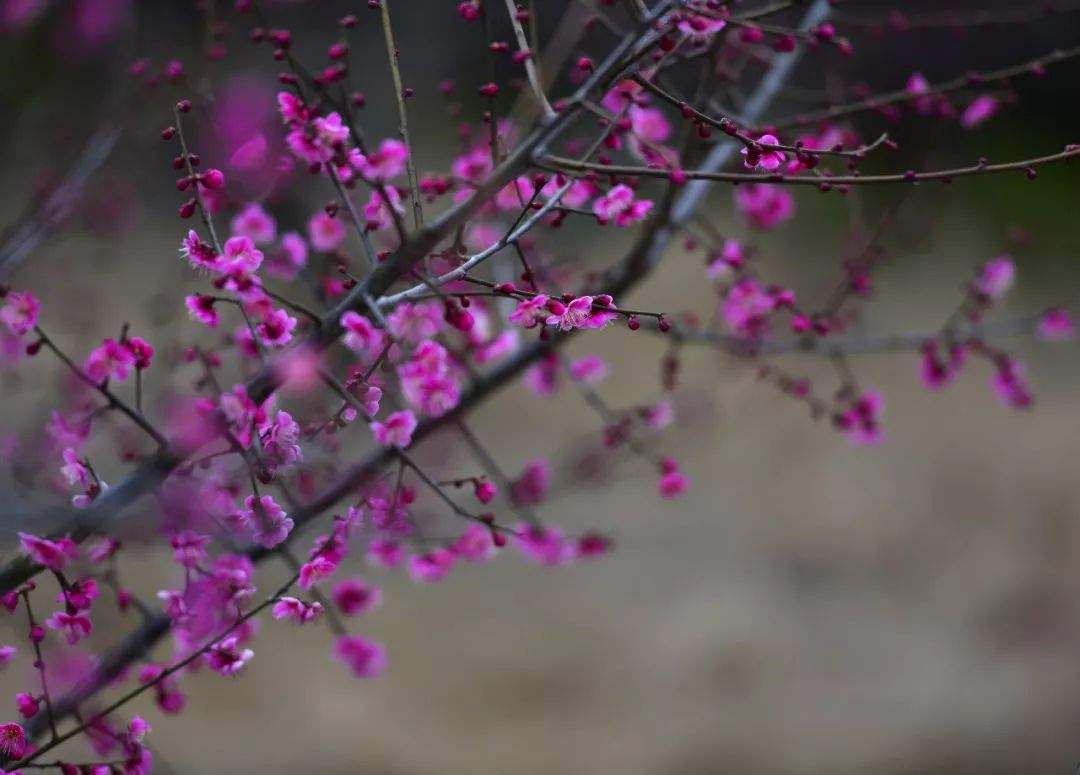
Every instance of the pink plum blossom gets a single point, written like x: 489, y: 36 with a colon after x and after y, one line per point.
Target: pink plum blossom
x: 255, y: 223
x: 20, y: 311
x: 765, y: 206
x: 366, y: 658
x: 996, y: 277
x: 111, y: 360
x: 361, y: 335
x: 431, y: 566
x: 397, y: 430
x: 619, y: 205
x: 296, y: 610
x: 54, y: 555
x: 74, y: 626
x: 354, y: 597
x: 762, y: 157
x: 383, y: 164
x: 325, y: 233
x: 1055, y: 325
x: 979, y: 110
x: 227, y: 657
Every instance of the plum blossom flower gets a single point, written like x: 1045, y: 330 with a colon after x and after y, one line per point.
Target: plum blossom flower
x: 761, y: 156
x: 189, y: 548
x: 20, y: 311
x: 936, y: 372
x: 376, y: 214
x: 296, y: 610
x: 269, y: 523
x: 201, y: 308
x: 861, y: 422
x: 765, y: 206
x: 366, y: 658
x: 325, y: 233
x: 74, y: 626
x: 619, y: 204
x: 731, y: 258
x: 74, y: 470
x: 699, y: 29
x: 397, y: 431
x: 484, y: 490
x: 27, y: 704
x: 198, y: 253
x: 746, y: 309
x: 919, y: 89
x: 996, y: 277
x: 111, y: 360
x: 354, y: 597
x: 290, y: 257
x: 361, y: 335
x: 416, y: 322
x: 1010, y: 383
x: 80, y: 594
x: 227, y: 658
x: 590, y: 369
x: 980, y: 110
x: 431, y: 566
x: 476, y: 544
x: 385, y: 553
x: 673, y: 482
x: 544, y: 545
x: 1055, y: 325
x: 12, y: 740
x: 383, y: 164
x: 54, y: 555
x: 571, y: 315
x: 254, y: 223
x: 331, y: 130
x: 532, y: 485
x: 427, y: 380
x: 281, y: 440
x: 275, y: 330
x: 240, y: 256
x: 530, y: 312
x: 316, y: 569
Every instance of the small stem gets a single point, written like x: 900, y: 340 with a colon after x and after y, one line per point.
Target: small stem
x: 403, y: 127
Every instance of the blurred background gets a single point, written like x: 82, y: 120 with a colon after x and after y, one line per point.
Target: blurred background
x: 807, y: 607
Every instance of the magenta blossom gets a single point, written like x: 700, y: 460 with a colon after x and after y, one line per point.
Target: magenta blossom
x: 354, y: 597
x: 1011, y: 385
x: 12, y: 740
x: 397, y: 431
x: 297, y: 610
x: 996, y: 277
x: 619, y: 205
x: 383, y: 164
x: 1055, y: 325
x: 20, y: 311
x: 432, y: 566
x: 227, y: 657
x: 201, y: 308
x: 764, y: 206
x: 571, y: 315
x: 761, y: 156
x: 361, y: 335
x: 861, y: 422
x: 980, y: 110
x: 254, y: 223
x: 74, y: 626
x: 275, y: 330
x: 325, y: 233
x: 54, y: 555
x: 366, y: 658
x: 112, y: 360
